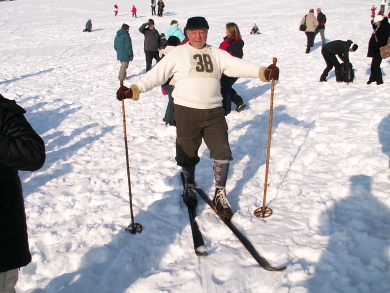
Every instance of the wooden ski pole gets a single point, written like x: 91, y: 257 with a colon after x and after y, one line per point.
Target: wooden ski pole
x: 133, y: 228
x: 264, y: 212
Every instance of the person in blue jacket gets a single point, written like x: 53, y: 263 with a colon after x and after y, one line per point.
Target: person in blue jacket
x: 174, y: 30
x: 88, y: 26
x: 124, y: 50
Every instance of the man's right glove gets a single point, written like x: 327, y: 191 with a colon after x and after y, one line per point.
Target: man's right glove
x: 126, y: 93
x: 272, y: 72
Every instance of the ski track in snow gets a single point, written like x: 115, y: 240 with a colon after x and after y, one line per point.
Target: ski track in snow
x: 329, y: 169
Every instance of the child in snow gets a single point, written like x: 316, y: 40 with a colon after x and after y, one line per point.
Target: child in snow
x: 116, y: 9
x: 134, y: 11
x: 373, y: 9
x: 88, y: 26
x: 255, y: 30
x: 163, y: 44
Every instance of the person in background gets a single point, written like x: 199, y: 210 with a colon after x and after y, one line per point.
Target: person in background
x: 196, y: 68
x: 378, y: 39
x: 151, y: 43
x: 116, y: 9
x: 168, y: 87
x: 373, y: 9
x: 21, y: 148
x: 185, y: 41
x: 329, y: 52
x: 383, y: 6
x: 255, y: 30
x: 311, y: 22
x: 160, y: 8
x: 153, y: 6
x: 233, y: 44
x: 321, y: 18
x: 124, y: 50
x: 163, y: 44
x: 134, y: 11
x: 88, y: 26
x: 174, y: 30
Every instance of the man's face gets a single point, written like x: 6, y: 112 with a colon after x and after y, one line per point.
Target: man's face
x: 197, y: 37
x: 151, y: 26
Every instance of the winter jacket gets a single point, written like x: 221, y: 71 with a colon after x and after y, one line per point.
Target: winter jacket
x: 123, y: 45
x: 233, y: 45
x: 21, y: 148
x: 152, y: 38
x: 340, y: 48
x: 88, y: 25
x: 379, y: 38
x: 321, y: 18
x: 311, y: 22
x: 174, y: 30
x: 134, y: 10
x: 160, y: 5
x: 196, y: 74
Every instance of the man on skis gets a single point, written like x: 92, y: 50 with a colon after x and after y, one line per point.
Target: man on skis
x: 196, y: 69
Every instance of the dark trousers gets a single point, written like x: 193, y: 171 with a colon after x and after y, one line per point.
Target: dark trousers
x: 169, y: 119
x: 331, y: 61
x: 310, y: 40
x: 227, y: 92
x: 153, y: 10
x: 159, y: 12
x: 193, y: 125
x: 149, y: 56
x: 376, y: 72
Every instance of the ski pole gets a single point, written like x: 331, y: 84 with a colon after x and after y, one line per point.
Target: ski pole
x: 133, y: 228
x: 265, y: 212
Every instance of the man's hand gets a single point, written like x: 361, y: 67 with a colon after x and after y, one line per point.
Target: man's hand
x: 124, y: 93
x: 131, y: 57
x: 272, y: 72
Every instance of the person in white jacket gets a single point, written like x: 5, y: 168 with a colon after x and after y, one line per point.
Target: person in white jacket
x: 311, y: 23
x: 196, y: 69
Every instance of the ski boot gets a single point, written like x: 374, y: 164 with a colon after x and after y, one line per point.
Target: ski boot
x: 189, y: 195
x: 221, y: 204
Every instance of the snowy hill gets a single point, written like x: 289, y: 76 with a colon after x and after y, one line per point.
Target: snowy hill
x: 329, y: 170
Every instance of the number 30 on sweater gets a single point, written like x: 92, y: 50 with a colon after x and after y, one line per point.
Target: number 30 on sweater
x: 204, y: 63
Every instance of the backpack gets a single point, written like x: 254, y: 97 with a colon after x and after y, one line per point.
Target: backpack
x: 346, y: 73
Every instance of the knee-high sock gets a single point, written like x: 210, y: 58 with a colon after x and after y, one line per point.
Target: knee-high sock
x: 221, y: 171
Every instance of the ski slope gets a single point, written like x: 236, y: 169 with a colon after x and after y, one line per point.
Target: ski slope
x: 329, y: 169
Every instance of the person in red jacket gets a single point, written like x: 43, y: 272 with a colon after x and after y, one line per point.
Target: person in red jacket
x: 233, y: 44
x: 134, y: 11
x: 116, y: 9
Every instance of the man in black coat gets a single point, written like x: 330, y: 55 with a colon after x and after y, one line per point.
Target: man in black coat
x: 21, y: 148
x: 329, y: 52
x: 151, y: 43
x: 378, y: 39
x: 321, y: 18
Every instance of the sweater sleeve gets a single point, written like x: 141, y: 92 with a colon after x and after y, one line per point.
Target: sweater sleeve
x: 158, y: 75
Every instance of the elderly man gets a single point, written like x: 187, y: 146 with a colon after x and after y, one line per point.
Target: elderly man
x: 196, y: 69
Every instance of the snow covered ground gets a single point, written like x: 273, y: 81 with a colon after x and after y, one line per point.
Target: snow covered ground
x: 329, y: 170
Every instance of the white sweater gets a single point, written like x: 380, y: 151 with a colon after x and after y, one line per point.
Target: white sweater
x: 196, y: 75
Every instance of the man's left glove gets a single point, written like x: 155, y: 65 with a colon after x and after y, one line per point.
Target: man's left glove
x: 272, y: 72
x: 126, y: 93
x: 131, y: 57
